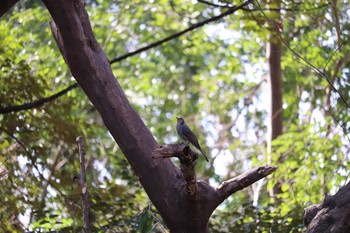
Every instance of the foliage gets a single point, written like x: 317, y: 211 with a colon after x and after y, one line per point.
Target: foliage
x: 214, y: 76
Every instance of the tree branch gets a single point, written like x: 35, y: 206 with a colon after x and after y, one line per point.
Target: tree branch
x: 287, y: 9
x: 36, y: 103
x: 40, y: 102
x: 265, y: 9
x: 215, y: 5
x: 244, y: 180
x: 178, y: 34
x: 187, y: 162
x: 84, y: 189
x: 32, y: 160
x: 55, y: 32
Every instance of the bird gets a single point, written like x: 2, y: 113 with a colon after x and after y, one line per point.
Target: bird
x: 186, y: 134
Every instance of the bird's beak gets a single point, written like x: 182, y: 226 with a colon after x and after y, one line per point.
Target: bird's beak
x: 177, y: 118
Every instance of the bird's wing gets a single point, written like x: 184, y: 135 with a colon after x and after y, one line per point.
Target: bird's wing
x: 190, y: 136
x: 193, y: 139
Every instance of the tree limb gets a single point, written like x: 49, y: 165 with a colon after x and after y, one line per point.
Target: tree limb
x: 178, y: 34
x: 229, y: 5
x: 42, y: 101
x: 37, y: 103
x: 244, y: 180
x: 215, y: 5
x: 187, y: 162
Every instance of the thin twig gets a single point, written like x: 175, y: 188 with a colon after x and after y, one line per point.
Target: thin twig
x: 33, y: 162
x: 37, y: 103
x: 84, y: 190
x: 330, y: 58
x: 287, y: 9
x: 265, y: 9
x: 178, y: 34
x: 42, y: 101
x: 215, y: 5
x: 314, y: 68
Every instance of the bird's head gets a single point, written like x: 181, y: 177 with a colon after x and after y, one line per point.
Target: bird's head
x: 180, y: 119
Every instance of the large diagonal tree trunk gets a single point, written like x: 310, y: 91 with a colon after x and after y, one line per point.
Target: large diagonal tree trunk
x: 91, y: 68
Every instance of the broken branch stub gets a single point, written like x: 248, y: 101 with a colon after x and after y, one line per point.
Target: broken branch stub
x: 180, y: 151
x: 187, y: 162
x: 244, y: 180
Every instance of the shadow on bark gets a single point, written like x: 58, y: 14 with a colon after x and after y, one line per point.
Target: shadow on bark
x: 333, y: 215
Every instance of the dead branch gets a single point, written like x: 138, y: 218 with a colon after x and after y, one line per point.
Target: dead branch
x: 242, y: 181
x: 84, y: 190
x: 187, y: 162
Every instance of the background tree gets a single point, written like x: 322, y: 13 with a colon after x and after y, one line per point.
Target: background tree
x: 219, y: 78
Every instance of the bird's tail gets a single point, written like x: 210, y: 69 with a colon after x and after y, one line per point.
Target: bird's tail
x: 204, y: 154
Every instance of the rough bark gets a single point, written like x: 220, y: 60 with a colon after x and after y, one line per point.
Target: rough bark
x: 231, y: 186
x: 187, y: 163
x: 202, y: 199
x: 332, y: 215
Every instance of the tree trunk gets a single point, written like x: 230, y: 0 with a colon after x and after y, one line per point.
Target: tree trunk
x: 273, y: 55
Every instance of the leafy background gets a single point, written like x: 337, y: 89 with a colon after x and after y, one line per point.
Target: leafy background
x: 215, y: 76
